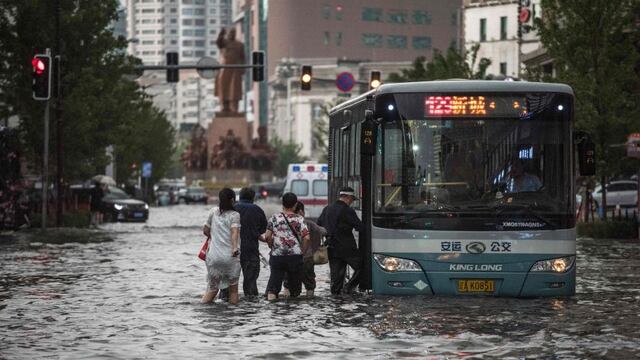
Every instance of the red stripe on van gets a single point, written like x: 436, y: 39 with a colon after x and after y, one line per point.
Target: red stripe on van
x: 314, y: 201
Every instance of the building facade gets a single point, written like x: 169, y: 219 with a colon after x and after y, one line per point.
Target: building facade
x: 190, y: 28
x: 504, y: 30
x: 333, y: 36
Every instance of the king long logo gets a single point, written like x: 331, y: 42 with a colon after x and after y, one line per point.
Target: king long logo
x: 475, y: 247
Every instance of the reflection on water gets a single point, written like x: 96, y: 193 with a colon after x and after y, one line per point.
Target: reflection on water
x: 134, y: 292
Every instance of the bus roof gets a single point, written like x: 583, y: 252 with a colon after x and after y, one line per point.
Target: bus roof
x: 459, y: 86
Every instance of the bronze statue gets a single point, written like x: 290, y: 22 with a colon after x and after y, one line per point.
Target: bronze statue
x: 229, y: 81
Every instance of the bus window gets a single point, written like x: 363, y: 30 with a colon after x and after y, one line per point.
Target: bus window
x: 300, y: 187
x: 320, y: 188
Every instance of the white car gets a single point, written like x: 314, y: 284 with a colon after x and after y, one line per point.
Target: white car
x: 621, y: 192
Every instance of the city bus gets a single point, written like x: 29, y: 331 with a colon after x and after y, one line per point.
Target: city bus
x: 466, y: 187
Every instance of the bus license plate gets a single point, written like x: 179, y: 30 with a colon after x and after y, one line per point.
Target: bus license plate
x: 482, y: 286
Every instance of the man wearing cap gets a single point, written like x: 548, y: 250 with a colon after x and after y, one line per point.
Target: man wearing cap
x: 340, y: 220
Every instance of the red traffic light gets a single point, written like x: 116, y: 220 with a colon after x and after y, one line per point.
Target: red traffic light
x: 38, y: 65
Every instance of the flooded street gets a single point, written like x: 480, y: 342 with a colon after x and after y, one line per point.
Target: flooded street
x: 133, y: 291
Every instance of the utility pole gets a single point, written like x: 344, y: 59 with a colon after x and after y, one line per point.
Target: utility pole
x: 59, y: 121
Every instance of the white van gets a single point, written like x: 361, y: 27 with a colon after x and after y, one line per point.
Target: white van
x: 309, y: 182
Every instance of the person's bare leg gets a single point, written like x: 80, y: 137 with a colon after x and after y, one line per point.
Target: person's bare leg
x: 209, y: 296
x: 271, y: 296
x: 233, y: 294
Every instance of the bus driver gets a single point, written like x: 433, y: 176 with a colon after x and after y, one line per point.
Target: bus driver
x: 521, y: 180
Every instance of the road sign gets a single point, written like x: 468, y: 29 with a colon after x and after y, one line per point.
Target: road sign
x: 345, y: 81
x: 633, y: 146
x: 207, y: 61
x: 146, y: 169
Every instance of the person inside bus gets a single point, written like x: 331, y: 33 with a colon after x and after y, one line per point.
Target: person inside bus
x: 521, y: 180
x: 340, y: 220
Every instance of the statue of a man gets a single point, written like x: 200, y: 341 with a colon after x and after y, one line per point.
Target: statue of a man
x: 229, y: 81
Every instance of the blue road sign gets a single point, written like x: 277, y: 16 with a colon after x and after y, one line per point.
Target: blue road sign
x: 345, y: 81
x: 146, y: 169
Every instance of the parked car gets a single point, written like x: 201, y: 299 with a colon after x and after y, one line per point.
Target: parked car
x: 167, y: 195
x: 621, y: 192
x: 268, y: 189
x: 117, y: 205
x: 195, y: 194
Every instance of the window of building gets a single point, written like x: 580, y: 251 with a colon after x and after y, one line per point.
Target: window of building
x: 187, y: 2
x: 174, y: 42
x: 212, y: 53
x: 421, y: 17
x: 147, y: 21
x: 187, y: 53
x: 187, y: 32
x: 326, y: 12
x: 397, y: 16
x: 483, y: 29
x: 198, y: 11
x: 339, y: 39
x: 198, y: 22
x: 213, y: 11
x: 372, y: 14
x: 173, y: 10
x: 148, y: 42
x: 397, y: 41
x: 187, y: 42
x: 326, y: 38
x: 199, y: 32
x: 213, y: 21
x: 187, y: 11
x: 503, y: 68
x: 212, y: 32
x: 372, y: 40
x: 338, y: 12
x: 198, y: 2
x: 421, y: 42
x: 173, y: 31
x: 187, y: 22
x: 173, y: 21
x: 503, y: 28
x: 199, y: 43
x: 199, y: 53
x: 147, y: 32
x: 148, y: 11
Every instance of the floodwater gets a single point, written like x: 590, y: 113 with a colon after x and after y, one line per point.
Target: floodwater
x: 133, y: 292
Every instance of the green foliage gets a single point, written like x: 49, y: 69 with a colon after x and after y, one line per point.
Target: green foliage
x: 321, y: 130
x: 609, y: 229
x: 100, y: 107
x: 594, y: 44
x: 452, y: 65
x: 287, y: 153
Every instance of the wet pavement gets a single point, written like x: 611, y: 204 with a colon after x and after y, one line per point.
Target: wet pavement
x: 133, y: 291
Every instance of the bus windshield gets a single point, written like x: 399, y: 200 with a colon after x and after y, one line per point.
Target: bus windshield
x: 445, y: 157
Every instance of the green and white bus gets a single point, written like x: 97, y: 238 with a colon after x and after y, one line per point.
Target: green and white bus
x: 467, y: 187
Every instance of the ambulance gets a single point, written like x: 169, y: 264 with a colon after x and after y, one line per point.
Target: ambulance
x: 309, y: 182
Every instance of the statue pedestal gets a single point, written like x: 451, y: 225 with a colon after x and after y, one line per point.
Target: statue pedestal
x: 222, y: 123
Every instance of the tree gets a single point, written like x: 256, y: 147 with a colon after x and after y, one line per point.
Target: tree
x: 100, y: 108
x: 452, y: 65
x: 287, y: 153
x: 594, y: 47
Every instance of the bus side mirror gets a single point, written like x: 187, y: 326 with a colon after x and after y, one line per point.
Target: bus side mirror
x: 587, y: 157
x: 368, y: 135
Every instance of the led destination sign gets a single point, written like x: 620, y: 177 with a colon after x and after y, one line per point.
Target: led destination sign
x: 474, y: 106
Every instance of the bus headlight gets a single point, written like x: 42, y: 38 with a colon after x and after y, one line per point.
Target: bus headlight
x: 558, y: 265
x: 393, y: 264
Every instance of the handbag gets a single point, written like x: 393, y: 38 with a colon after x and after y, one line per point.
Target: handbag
x: 203, y: 251
x: 321, y: 255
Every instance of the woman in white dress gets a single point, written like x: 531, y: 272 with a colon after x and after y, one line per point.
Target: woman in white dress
x: 223, y: 260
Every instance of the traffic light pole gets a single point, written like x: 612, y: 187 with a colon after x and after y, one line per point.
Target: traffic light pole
x: 59, y: 122
x: 45, y: 166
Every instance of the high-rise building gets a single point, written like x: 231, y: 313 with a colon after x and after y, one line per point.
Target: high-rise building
x: 190, y: 28
x: 504, y: 30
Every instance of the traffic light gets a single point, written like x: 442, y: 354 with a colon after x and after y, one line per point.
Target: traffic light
x: 41, y: 76
x: 374, y: 80
x: 305, y: 78
x: 173, y: 75
x: 257, y: 58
